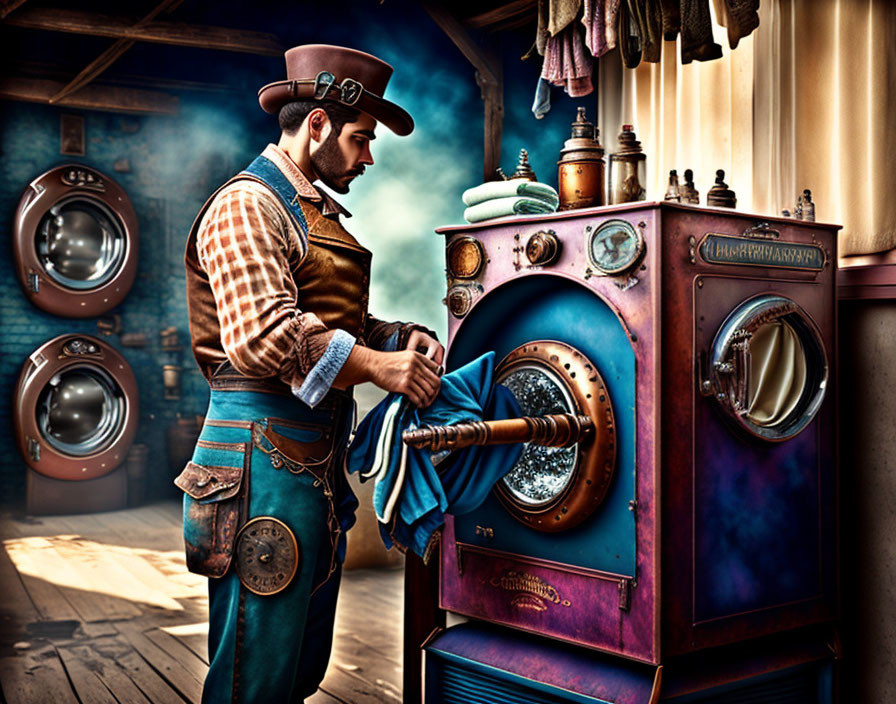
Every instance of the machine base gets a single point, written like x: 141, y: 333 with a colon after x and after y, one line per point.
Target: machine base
x: 46, y: 496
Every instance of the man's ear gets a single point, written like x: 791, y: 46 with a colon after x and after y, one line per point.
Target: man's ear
x: 319, y: 125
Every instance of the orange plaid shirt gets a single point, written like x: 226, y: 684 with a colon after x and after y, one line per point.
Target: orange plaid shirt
x: 249, y: 248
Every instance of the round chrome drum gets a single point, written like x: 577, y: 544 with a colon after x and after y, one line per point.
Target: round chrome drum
x: 81, y: 243
x: 556, y: 488
x: 542, y: 473
x: 80, y: 411
x: 768, y: 367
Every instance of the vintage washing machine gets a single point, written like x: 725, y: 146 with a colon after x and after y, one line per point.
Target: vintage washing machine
x: 75, y: 242
x: 75, y: 418
x: 685, y: 549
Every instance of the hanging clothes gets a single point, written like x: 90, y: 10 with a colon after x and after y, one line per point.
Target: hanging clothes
x: 598, y: 18
x: 414, y: 490
x: 647, y: 15
x: 696, y: 33
x: 739, y: 17
x: 561, y: 13
x: 567, y: 62
x: 671, y: 19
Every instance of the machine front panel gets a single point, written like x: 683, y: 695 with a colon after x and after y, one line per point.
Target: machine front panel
x: 552, y: 308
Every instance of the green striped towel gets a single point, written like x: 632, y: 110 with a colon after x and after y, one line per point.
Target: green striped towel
x: 513, y: 187
x: 512, y: 205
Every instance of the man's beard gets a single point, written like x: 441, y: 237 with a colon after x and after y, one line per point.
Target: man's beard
x: 330, y: 165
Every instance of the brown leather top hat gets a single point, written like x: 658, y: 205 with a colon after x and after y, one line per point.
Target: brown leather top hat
x: 347, y: 76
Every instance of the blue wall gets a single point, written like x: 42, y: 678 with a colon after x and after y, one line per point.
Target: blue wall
x: 177, y: 161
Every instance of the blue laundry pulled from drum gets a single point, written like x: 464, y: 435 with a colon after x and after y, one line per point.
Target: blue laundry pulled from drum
x: 414, y: 489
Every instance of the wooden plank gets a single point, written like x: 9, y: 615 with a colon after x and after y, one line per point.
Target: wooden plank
x: 7, y: 6
x: 514, y: 10
x: 193, y: 636
x: 76, y: 583
x: 16, y: 601
x: 177, y: 33
x: 186, y: 657
x: 168, y: 667
x: 35, y: 677
x: 107, y: 671
x: 322, y: 696
x: 489, y: 77
x: 105, y: 571
x: 149, y: 682
x: 48, y: 599
x: 111, y: 98
x: 88, y: 686
x: 111, y: 55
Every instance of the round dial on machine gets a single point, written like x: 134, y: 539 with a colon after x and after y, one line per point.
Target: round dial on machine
x: 768, y: 368
x: 614, y: 246
x: 556, y: 488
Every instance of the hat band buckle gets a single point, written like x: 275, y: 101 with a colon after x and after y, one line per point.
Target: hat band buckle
x: 348, y: 92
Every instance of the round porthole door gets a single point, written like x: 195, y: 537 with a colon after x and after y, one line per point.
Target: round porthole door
x: 76, y: 408
x: 768, y: 368
x: 75, y: 242
x: 556, y: 488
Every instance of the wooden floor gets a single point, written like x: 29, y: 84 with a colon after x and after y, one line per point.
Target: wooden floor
x: 100, y: 608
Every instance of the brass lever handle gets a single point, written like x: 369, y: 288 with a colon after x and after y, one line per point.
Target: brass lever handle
x: 559, y: 430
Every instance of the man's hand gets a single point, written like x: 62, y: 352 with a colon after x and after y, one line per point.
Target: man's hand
x: 409, y: 373
x: 426, y: 345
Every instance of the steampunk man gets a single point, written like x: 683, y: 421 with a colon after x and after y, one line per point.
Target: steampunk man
x: 277, y: 294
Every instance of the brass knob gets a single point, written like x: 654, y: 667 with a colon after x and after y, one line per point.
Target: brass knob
x: 542, y: 247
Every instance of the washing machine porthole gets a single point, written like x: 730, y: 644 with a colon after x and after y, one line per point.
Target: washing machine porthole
x: 81, y: 411
x: 75, y: 242
x: 81, y: 243
x: 768, y: 367
x: 552, y: 489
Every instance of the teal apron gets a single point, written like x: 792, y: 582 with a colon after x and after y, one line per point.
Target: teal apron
x: 265, y: 454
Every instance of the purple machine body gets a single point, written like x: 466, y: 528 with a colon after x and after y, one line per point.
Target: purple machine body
x: 718, y: 534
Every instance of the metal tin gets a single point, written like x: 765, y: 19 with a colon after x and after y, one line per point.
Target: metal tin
x: 581, y: 167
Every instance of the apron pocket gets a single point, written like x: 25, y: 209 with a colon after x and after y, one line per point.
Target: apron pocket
x: 212, y: 507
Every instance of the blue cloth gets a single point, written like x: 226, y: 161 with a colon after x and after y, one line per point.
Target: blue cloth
x: 411, y: 494
x: 542, y: 104
x: 321, y: 376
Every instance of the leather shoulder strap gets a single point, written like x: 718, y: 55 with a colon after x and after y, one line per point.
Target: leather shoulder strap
x: 262, y: 170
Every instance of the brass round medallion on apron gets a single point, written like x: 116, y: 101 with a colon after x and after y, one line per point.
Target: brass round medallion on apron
x: 267, y: 555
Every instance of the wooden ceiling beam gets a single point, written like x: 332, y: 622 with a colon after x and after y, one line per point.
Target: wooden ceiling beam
x: 91, y: 97
x: 111, y: 55
x: 511, y: 11
x: 7, y: 6
x: 489, y: 77
x: 175, y: 33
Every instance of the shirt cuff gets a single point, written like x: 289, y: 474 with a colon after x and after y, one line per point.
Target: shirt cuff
x: 319, y: 380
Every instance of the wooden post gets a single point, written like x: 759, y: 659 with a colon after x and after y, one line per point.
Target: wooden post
x: 489, y: 78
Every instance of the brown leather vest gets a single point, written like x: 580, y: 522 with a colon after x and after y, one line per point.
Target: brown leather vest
x: 332, y: 281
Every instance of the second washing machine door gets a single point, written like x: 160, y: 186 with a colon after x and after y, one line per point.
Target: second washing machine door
x: 76, y: 408
x: 75, y: 242
x: 768, y: 368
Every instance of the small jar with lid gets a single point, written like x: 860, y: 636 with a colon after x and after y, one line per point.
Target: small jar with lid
x: 581, y: 167
x: 628, y: 169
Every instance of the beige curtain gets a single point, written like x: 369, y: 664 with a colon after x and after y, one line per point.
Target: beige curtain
x: 807, y: 101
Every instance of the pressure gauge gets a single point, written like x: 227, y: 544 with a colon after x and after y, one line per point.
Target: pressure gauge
x: 465, y: 258
x: 614, y: 246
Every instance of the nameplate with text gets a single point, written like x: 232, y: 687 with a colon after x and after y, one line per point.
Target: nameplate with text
x: 724, y: 249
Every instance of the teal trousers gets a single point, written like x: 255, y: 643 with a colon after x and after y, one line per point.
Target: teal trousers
x: 275, y: 648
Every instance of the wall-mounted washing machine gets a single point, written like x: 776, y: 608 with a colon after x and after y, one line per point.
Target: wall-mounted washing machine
x: 75, y: 418
x: 75, y: 242
x: 693, y: 532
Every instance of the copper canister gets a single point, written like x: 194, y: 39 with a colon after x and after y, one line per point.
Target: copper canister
x: 581, y: 167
